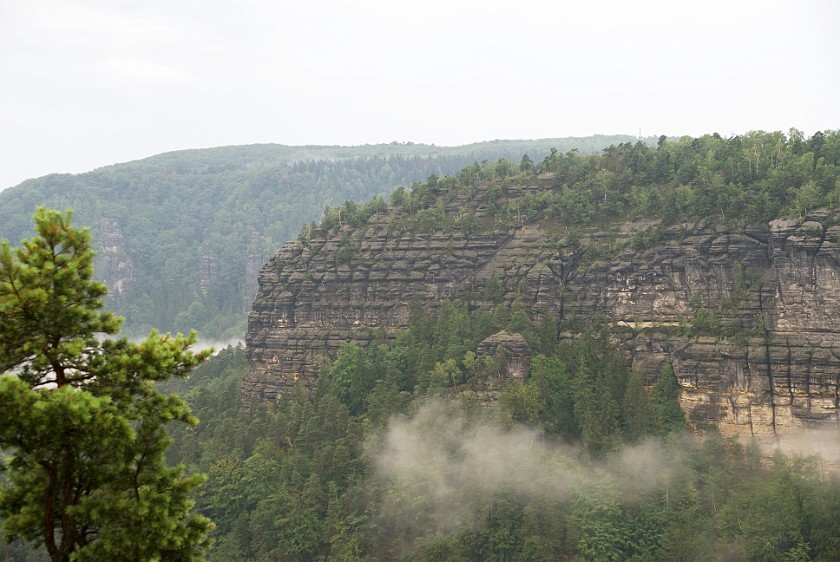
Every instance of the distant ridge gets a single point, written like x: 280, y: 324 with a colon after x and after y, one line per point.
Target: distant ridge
x: 181, y: 235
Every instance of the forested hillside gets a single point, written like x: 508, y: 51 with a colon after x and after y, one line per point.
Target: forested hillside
x: 414, y: 448
x: 180, y: 236
x: 384, y: 463
x: 579, y: 463
x: 717, y: 257
x: 390, y: 451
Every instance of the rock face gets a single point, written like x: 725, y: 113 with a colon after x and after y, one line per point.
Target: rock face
x: 310, y: 302
x: 768, y: 363
x: 512, y: 352
x: 112, y: 263
x: 208, y: 270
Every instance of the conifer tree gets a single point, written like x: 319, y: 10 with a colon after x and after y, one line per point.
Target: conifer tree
x: 80, y: 418
x: 665, y: 399
x: 596, y: 411
x: 637, y: 413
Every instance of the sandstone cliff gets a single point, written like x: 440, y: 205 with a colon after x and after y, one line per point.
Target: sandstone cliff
x: 113, y: 264
x: 767, y: 362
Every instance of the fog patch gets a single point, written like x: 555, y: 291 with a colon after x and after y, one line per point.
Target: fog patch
x: 442, y: 472
x: 201, y: 344
x: 217, y: 345
x: 819, y: 442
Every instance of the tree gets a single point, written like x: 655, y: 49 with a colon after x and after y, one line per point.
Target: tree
x: 551, y: 376
x: 595, y: 408
x: 438, y: 547
x: 665, y: 398
x: 352, y: 377
x: 80, y: 416
x: 526, y: 165
x: 637, y: 413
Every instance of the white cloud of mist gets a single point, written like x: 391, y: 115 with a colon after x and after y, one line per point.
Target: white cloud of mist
x: 823, y: 443
x: 217, y: 345
x: 443, y: 471
x: 202, y: 344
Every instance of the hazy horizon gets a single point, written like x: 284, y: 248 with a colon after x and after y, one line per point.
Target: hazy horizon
x: 95, y: 83
x: 408, y: 141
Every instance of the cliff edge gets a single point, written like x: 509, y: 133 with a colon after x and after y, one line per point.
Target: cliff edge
x: 745, y: 317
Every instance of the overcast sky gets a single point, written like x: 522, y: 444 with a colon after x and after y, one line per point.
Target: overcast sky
x: 88, y: 83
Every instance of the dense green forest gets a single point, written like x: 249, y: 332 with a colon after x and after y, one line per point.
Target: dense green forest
x: 193, y: 227
x: 392, y: 457
x: 602, y: 470
x: 738, y: 181
x: 82, y: 418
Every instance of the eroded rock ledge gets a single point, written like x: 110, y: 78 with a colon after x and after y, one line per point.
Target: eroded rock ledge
x: 779, y: 284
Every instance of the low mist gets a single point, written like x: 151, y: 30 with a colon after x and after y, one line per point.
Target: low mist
x: 823, y: 443
x: 217, y: 345
x: 443, y: 471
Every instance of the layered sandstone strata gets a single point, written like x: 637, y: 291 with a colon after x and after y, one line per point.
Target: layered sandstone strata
x: 775, y: 288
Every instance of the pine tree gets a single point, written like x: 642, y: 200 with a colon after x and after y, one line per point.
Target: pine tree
x: 80, y: 418
x: 665, y: 399
x: 596, y: 411
x: 637, y: 414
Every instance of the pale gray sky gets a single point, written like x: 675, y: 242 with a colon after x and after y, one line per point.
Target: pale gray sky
x: 87, y: 83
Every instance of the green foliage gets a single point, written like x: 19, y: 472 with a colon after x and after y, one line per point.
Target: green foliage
x: 585, y: 391
x: 603, y: 525
x: 352, y: 377
x: 468, y: 222
x: 664, y: 398
x: 346, y: 251
x: 351, y: 213
x: 492, y: 196
x: 703, y: 320
x: 551, y: 376
x: 283, y: 482
x: 595, y: 410
x: 519, y: 322
x: 80, y: 416
x: 638, y: 414
x: 293, y: 481
x: 238, y: 204
x: 494, y: 289
x: 522, y: 403
x: 526, y: 165
x: 159, y: 222
x: 646, y: 238
x: 741, y: 180
x: 545, y: 340
x: 437, y: 548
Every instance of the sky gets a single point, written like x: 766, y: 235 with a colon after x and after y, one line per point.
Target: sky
x: 87, y: 83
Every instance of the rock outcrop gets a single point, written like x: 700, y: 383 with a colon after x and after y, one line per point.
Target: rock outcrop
x: 767, y: 362
x: 113, y: 264
x: 512, y: 353
x: 208, y: 271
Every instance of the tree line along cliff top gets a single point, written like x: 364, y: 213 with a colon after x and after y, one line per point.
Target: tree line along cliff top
x: 738, y: 181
